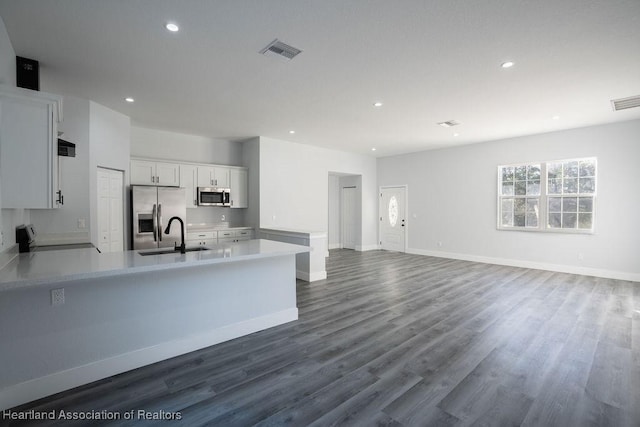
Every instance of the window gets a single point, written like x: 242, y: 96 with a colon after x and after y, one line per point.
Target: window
x: 550, y: 196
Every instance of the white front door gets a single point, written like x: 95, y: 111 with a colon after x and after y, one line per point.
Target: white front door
x: 393, y: 223
x: 349, y: 220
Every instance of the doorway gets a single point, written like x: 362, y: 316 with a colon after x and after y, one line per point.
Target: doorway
x: 110, y: 210
x: 392, y: 214
x: 349, y: 217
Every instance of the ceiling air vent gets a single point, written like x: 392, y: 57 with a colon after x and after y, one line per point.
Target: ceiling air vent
x: 449, y: 123
x: 281, y: 50
x: 624, y: 103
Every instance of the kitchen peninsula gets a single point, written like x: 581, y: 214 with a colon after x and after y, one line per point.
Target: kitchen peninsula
x: 71, y: 317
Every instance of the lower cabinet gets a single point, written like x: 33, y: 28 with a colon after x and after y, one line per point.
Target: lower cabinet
x: 202, y: 238
x: 234, y: 235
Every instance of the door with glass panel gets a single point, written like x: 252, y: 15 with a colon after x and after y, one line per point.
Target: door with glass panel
x: 393, y: 224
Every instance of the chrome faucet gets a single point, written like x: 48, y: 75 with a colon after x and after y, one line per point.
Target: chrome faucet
x: 183, y: 249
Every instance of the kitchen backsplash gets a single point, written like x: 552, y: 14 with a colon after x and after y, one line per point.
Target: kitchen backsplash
x: 216, y: 215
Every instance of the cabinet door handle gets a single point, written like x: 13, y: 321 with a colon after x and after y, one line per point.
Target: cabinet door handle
x: 158, y: 179
x: 153, y: 178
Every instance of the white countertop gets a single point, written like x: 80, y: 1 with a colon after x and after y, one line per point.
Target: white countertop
x: 49, y: 267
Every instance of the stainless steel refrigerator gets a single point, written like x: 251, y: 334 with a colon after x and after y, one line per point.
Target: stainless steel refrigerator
x: 151, y: 209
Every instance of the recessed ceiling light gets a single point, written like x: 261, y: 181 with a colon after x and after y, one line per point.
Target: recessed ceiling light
x: 507, y: 64
x: 456, y: 134
x: 556, y: 117
x: 373, y: 149
x: 292, y: 132
x: 129, y: 99
x: 172, y: 27
x: 377, y: 104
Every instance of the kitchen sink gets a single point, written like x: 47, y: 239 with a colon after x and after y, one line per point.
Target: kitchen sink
x: 172, y: 251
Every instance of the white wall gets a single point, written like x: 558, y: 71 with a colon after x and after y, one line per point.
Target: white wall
x: 61, y: 225
x: 7, y: 58
x: 251, y: 160
x: 160, y: 144
x: 452, y: 199
x: 10, y: 218
x: 294, y: 187
x: 109, y: 136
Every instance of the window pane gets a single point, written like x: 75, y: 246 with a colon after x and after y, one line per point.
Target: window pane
x: 554, y: 170
x: 585, y: 221
x: 585, y: 204
x: 507, y: 219
x: 533, y: 172
x: 555, y: 220
x: 507, y: 205
x: 533, y: 188
x: 519, y: 220
x: 507, y: 174
x: 532, y: 220
x: 555, y: 204
x: 521, y: 188
x: 569, y: 204
x: 507, y: 189
x: 532, y: 205
x: 569, y: 220
x: 570, y: 169
x: 587, y: 168
x: 587, y: 185
x: 570, y: 186
x: 555, y: 186
x: 521, y: 173
x: 519, y: 206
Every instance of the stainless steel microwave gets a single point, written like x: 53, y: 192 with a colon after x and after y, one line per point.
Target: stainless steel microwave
x: 214, y: 196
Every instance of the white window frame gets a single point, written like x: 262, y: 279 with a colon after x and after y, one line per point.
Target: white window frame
x: 543, y: 199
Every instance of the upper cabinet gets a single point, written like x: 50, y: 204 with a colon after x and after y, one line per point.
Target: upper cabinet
x: 29, y: 148
x: 189, y: 181
x: 144, y: 172
x: 213, y: 176
x: 238, y: 186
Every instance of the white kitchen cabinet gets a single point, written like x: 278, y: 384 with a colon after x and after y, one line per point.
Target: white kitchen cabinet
x: 202, y: 238
x: 189, y: 181
x: 234, y: 235
x: 145, y: 172
x: 29, y: 146
x: 239, y: 190
x: 213, y: 176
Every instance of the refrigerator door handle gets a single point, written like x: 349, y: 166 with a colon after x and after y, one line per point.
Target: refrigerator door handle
x: 155, y: 223
x: 160, y: 222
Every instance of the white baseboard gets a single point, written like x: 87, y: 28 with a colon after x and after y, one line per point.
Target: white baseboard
x: 364, y: 248
x: 585, y: 271
x: 335, y: 246
x: 311, y: 276
x: 45, y: 386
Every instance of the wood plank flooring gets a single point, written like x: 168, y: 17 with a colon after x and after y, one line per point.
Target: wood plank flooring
x: 406, y: 340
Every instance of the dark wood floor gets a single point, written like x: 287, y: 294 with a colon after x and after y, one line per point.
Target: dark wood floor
x: 403, y: 340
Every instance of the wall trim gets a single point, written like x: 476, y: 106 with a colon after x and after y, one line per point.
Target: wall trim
x: 335, y: 246
x: 64, y: 380
x: 572, y: 269
x: 311, y: 276
x: 365, y: 248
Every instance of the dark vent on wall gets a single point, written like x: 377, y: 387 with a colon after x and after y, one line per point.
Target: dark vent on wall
x: 624, y: 103
x: 282, y: 50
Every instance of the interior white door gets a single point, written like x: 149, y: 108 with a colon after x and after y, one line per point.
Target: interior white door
x: 392, y: 218
x: 349, y: 220
x: 110, y: 210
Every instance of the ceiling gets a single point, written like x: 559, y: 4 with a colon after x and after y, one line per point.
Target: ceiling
x: 426, y: 61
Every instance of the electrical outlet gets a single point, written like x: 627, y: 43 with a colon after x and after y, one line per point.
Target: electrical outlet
x: 222, y: 218
x: 439, y: 244
x: 82, y: 223
x: 57, y: 296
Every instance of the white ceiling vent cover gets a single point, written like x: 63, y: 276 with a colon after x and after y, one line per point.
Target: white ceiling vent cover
x: 280, y: 50
x: 624, y: 103
x: 449, y: 123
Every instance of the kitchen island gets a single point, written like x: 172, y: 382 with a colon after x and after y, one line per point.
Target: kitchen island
x: 121, y: 311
